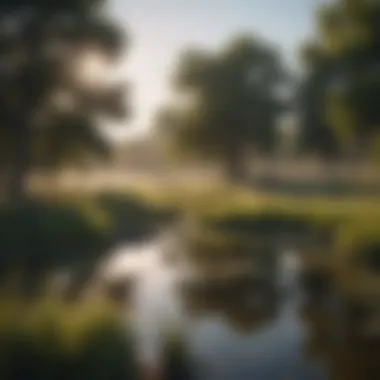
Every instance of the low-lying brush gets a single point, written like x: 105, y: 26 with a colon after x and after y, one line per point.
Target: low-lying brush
x: 40, y: 235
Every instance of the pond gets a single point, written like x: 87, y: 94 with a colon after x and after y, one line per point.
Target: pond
x: 238, y: 330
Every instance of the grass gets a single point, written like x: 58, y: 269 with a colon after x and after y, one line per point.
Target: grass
x: 218, y: 202
x: 216, y: 199
x: 48, y: 339
x: 228, y: 217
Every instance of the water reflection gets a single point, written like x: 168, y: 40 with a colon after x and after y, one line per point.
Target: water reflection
x: 242, y: 304
x: 248, y: 328
x: 285, y: 340
x: 253, y: 340
x: 344, y: 359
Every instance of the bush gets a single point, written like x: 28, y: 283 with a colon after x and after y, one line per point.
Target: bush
x: 57, y: 341
x: 40, y: 235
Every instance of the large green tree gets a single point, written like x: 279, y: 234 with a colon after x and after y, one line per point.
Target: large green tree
x: 347, y: 85
x: 231, y: 101
x: 52, y: 95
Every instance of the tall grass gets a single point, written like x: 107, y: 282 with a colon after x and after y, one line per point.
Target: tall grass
x: 48, y: 339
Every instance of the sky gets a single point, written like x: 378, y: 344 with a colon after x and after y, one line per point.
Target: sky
x: 160, y: 29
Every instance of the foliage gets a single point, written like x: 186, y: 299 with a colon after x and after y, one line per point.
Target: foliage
x: 317, y: 136
x: 232, y: 102
x: 52, y: 96
x: 39, y: 236
x: 346, y: 96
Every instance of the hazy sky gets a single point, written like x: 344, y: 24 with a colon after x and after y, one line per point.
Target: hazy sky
x: 161, y: 28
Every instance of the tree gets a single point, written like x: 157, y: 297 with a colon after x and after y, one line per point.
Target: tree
x: 53, y: 94
x: 348, y: 81
x: 317, y: 136
x: 231, y: 102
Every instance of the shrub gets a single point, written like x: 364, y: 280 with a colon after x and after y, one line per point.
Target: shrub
x: 40, y: 235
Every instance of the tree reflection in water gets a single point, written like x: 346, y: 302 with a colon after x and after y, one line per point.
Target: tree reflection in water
x: 244, y: 305
x: 346, y: 359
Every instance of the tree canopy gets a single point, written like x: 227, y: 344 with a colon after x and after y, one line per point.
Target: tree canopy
x: 232, y: 100
x: 341, y: 91
x: 53, y: 58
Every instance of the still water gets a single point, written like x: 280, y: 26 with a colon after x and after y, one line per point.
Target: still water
x: 235, y: 332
